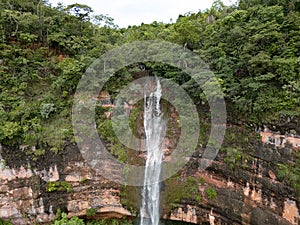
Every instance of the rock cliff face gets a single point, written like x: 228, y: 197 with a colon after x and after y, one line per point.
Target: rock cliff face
x: 26, y: 195
x: 249, y: 193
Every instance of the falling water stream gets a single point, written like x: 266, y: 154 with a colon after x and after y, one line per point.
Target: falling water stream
x: 154, y: 126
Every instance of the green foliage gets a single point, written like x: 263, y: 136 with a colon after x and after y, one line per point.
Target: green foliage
x: 177, y: 189
x: 130, y: 197
x: 291, y: 173
x: 2, y: 222
x: 66, y: 221
x: 233, y: 157
x: 236, y: 158
x: 246, y: 49
x: 58, y: 214
x: 9, y: 130
x: 114, y: 146
x: 47, y: 109
x: 59, y: 186
x: 57, y: 132
x: 211, y: 193
x: 71, y: 72
x: 201, y: 180
x: 83, y: 180
x: 52, y: 186
x: 66, y: 186
x: 91, y: 212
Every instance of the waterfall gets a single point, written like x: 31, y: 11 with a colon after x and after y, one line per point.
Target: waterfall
x: 154, y: 129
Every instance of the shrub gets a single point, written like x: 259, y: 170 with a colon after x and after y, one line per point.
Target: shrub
x: 211, y: 193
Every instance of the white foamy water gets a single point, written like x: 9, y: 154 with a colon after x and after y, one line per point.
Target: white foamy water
x: 154, y: 129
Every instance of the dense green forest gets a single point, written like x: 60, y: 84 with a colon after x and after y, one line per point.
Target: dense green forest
x: 253, y: 48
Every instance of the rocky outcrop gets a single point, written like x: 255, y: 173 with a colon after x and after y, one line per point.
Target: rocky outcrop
x: 180, y: 215
x: 280, y: 140
x: 26, y: 197
x: 237, y: 203
x: 251, y: 193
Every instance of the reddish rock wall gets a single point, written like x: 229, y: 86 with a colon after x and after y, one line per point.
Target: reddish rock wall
x: 248, y: 195
x: 24, y: 197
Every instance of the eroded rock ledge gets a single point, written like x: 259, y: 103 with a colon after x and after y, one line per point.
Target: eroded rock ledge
x: 252, y: 195
x: 25, y: 196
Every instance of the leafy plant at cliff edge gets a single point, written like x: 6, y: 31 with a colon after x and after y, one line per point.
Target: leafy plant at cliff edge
x: 2, y: 222
x: 65, y: 221
x: 291, y: 173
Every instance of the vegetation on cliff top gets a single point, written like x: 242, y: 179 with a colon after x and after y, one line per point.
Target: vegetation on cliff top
x: 252, y: 47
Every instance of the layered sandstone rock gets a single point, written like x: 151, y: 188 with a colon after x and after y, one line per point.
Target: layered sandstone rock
x: 251, y: 194
x: 25, y: 198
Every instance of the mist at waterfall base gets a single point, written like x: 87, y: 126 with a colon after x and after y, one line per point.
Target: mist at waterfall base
x: 154, y: 126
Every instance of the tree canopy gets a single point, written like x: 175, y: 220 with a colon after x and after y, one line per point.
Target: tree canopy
x: 253, y: 48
